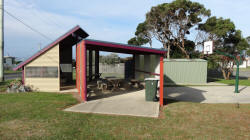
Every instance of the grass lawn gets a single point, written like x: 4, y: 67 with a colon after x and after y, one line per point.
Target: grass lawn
x: 243, y: 69
x: 242, y: 82
x: 11, y: 71
x: 40, y: 116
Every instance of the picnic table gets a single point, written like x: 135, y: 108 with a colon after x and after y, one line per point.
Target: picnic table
x: 115, y: 81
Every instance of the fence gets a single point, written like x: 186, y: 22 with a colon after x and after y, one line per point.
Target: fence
x: 112, y: 68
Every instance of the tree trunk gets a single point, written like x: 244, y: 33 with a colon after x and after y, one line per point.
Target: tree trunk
x: 224, y: 74
x: 185, y: 52
x: 168, y: 52
x: 228, y: 75
x: 183, y: 48
x: 167, y: 47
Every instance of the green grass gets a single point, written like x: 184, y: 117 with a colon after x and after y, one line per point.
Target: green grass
x: 243, y: 69
x: 40, y: 116
x: 242, y: 82
x: 11, y: 71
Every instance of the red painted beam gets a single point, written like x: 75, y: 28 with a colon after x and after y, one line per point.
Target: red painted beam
x: 161, y: 81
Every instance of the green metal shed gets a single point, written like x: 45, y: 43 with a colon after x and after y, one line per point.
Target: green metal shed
x: 185, y: 71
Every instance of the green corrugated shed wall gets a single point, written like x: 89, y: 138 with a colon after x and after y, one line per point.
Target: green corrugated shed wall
x: 185, y: 71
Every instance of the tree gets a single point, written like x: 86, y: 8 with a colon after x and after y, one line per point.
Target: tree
x: 171, y: 22
x: 138, y: 41
x: 176, y: 52
x: 159, y: 20
x: 142, y: 35
x: 226, y: 39
x: 187, y: 14
x: 112, y: 58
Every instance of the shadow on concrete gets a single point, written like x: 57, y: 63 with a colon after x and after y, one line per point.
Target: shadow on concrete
x: 176, y: 93
x: 96, y: 94
x: 182, y: 93
x: 242, y: 88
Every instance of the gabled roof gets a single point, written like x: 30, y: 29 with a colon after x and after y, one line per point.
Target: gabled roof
x: 76, y: 31
x: 121, y: 48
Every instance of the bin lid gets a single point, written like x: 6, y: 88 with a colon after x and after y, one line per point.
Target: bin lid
x: 152, y: 79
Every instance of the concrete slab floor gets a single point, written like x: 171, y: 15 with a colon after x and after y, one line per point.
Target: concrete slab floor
x: 208, y: 94
x: 132, y: 104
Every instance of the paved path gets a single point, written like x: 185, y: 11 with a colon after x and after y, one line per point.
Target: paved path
x: 132, y: 104
x: 209, y: 94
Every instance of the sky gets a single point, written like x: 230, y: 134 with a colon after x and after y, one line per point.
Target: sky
x: 109, y: 20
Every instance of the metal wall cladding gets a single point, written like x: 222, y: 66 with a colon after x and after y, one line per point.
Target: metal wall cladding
x: 185, y: 71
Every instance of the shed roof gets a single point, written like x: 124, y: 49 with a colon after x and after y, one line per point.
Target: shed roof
x: 69, y: 36
x: 121, y: 48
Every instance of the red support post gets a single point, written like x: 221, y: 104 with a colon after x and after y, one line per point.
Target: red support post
x: 161, y: 82
x: 83, y: 71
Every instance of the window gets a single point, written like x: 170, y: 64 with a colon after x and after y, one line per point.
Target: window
x: 41, y: 72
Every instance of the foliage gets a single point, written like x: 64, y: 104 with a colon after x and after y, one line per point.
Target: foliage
x: 4, y: 85
x: 142, y: 35
x: 212, y: 63
x: 15, y: 82
x: 110, y: 59
x: 227, y: 40
x: 248, y: 52
x: 189, y: 46
x: 171, y: 22
x: 137, y: 41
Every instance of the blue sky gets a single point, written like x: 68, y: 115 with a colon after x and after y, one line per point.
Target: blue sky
x: 110, y: 20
